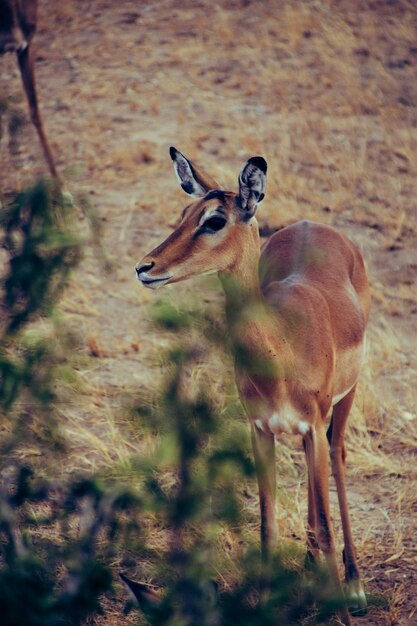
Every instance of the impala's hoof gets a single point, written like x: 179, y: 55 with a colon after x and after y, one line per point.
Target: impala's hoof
x: 356, y: 598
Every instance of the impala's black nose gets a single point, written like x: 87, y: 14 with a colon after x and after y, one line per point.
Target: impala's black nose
x: 144, y: 268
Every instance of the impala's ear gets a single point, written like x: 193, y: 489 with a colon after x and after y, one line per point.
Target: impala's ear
x: 252, y: 181
x: 192, y: 178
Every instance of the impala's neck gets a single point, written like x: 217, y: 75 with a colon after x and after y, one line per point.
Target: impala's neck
x: 253, y: 328
x: 241, y: 280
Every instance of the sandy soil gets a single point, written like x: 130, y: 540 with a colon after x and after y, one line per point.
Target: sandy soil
x: 327, y: 92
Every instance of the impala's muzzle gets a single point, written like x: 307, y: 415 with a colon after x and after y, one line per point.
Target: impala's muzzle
x: 149, y: 280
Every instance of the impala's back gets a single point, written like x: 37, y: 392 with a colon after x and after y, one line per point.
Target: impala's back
x: 313, y: 260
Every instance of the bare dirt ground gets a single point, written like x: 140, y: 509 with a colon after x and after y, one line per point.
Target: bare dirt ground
x: 327, y: 92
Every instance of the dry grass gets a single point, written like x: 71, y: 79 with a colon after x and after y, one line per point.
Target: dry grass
x: 328, y: 93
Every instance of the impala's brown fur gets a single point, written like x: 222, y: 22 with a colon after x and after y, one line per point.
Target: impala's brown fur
x: 300, y: 310
x: 17, y: 29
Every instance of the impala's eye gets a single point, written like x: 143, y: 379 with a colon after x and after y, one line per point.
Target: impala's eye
x: 214, y: 223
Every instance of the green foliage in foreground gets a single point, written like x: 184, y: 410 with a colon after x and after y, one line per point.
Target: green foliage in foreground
x: 42, y: 250
x: 33, y: 588
x: 50, y: 574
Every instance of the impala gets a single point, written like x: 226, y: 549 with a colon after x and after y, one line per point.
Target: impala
x: 299, y: 310
x: 17, y: 29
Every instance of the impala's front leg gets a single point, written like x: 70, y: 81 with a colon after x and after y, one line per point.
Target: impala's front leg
x: 264, y: 451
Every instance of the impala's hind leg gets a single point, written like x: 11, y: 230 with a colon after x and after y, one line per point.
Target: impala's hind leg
x: 355, y: 593
x: 26, y: 66
x: 317, y: 456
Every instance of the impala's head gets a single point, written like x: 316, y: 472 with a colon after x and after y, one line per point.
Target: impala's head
x: 215, y: 229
